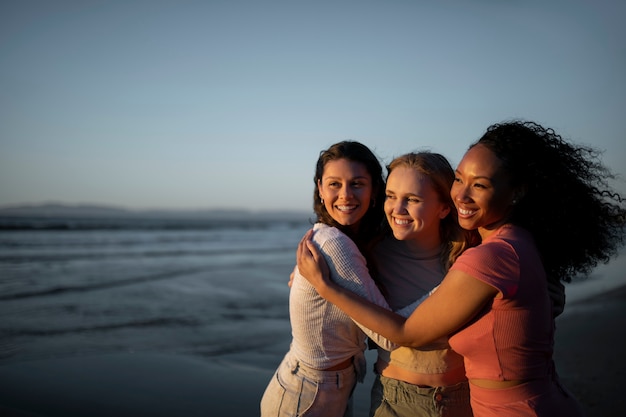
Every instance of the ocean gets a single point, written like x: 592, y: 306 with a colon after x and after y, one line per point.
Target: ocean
x: 205, y: 287
x: 166, y: 316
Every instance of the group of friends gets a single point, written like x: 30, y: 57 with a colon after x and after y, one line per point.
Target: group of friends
x: 454, y: 275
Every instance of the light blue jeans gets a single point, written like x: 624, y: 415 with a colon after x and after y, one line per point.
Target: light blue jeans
x: 297, y: 390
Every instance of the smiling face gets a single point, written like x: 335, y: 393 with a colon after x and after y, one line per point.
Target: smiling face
x: 481, y: 191
x: 413, y: 207
x: 346, y: 189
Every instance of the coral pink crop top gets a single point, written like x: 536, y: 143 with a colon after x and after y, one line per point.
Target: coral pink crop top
x: 513, y: 337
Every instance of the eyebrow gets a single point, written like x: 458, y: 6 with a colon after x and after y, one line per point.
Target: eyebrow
x: 351, y: 179
x: 396, y: 192
x: 478, y: 177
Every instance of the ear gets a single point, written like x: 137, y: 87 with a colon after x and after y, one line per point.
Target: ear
x: 518, y: 194
x: 445, y: 210
x: 319, y: 188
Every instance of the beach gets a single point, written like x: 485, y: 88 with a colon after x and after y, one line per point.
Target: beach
x: 193, y: 321
x: 589, y: 339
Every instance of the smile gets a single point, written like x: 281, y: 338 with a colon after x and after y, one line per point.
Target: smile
x: 465, y: 213
x: 346, y: 208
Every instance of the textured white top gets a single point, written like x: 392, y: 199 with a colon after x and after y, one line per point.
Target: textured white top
x: 324, y: 336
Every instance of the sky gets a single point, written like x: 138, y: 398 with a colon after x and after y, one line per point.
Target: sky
x: 227, y: 104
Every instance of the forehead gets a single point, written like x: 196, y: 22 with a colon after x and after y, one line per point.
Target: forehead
x: 345, y: 168
x: 407, y: 179
x: 480, y: 161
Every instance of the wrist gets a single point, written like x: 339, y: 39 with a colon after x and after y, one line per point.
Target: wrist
x: 326, y: 289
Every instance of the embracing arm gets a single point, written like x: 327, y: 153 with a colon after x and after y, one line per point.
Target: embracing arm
x: 457, y: 300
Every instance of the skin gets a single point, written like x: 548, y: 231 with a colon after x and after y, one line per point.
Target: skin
x: 346, y: 189
x: 413, y: 208
x: 481, y: 192
x: 483, y: 198
x: 414, y: 211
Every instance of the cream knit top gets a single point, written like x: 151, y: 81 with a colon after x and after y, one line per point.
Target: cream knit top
x: 324, y: 336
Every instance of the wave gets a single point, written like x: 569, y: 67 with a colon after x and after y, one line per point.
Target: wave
x: 136, y: 224
x: 153, y: 221
x: 63, y: 257
x: 155, y: 322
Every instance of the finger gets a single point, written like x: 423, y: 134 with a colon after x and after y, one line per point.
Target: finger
x: 303, y: 251
x: 312, y: 249
x: 308, y: 235
x: 300, y: 250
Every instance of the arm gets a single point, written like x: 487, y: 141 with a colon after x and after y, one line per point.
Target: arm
x: 556, y: 291
x: 406, y: 311
x: 346, y: 267
x: 457, y: 300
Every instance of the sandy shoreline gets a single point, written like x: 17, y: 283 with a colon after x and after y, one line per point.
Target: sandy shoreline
x: 589, y: 339
x: 590, y: 342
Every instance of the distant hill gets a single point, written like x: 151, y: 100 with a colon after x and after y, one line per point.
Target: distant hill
x: 55, y: 210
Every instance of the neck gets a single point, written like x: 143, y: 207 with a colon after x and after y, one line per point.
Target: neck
x: 485, y: 232
x: 425, y: 247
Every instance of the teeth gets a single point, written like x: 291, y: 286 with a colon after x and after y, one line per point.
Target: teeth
x: 465, y: 212
x: 346, y: 208
x: 401, y: 222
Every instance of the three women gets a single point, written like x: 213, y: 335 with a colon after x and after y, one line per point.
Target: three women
x: 543, y: 211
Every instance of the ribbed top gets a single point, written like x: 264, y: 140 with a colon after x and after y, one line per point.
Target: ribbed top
x: 512, y: 339
x: 408, y: 274
x: 324, y: 336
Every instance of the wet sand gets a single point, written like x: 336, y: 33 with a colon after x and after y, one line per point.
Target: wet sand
x: 588, y: 352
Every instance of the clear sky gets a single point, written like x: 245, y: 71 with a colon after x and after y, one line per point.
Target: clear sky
x: 226, y: 104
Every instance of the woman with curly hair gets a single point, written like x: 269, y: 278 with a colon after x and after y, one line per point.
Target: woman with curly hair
x: 543, y: 210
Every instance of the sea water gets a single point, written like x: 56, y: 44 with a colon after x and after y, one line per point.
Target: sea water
x: 149, y: 304
x: 186, y: 286
x: 90, y: 286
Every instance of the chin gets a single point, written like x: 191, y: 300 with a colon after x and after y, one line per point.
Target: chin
x: 400, y: 235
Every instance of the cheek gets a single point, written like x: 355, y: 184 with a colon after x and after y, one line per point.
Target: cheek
x: 453, y: 190
x: 498, y: 206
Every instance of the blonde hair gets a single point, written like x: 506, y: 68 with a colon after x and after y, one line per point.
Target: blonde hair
x: 454, y: 239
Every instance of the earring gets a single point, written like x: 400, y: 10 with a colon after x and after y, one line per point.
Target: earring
x: 321, y: 199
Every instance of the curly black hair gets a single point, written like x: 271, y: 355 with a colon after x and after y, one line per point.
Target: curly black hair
x: 575, y: 217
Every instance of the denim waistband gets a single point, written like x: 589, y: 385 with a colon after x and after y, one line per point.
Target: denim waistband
x: 298, y: 367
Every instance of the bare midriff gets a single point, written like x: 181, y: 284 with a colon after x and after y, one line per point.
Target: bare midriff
x: 452, y: 377
x: 339, y: 366
x: 490, y: 383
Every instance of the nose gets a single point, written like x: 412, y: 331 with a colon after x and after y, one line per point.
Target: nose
x: 459, y: 193
x: 346, y: 192
x: 398, y: 206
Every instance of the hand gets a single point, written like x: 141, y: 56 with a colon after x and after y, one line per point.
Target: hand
x: 291, y: 276
x: 311, y: 263
x: 556, y: 290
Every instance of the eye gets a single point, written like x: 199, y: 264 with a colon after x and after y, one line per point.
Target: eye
x: 389, y: 197
x: 479, y: 185
x: 457, y: 179
x: 414, y: 200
